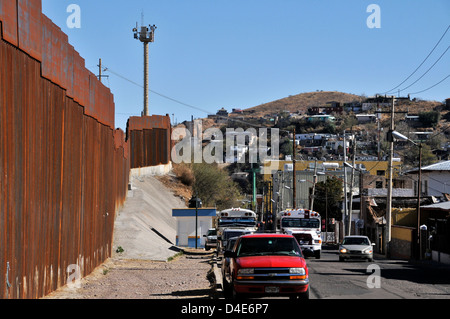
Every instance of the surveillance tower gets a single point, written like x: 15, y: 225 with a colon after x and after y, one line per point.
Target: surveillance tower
x: 145, y: 35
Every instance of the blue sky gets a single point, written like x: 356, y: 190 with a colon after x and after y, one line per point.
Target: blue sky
x: 211, y: 54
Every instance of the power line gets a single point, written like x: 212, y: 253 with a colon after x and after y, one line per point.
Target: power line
x: 427, y: 70
x: 391, y: 90
x: 185, y: 104
x: 448, y: 76
x: 157, y: 93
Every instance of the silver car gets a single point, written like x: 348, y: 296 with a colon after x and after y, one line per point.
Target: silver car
x: 358, y: 247
x: 211, y: 239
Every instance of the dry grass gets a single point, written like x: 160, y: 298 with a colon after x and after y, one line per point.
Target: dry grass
x: 301, y: 102
x: 181, y: 183
x: 184, y: 174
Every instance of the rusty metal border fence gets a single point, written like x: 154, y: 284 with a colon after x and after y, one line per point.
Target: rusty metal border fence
x: 150, y: 140
x: 63, y: 168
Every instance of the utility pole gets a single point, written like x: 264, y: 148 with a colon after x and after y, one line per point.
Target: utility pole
x: 294, y: 190
x: 254, y: 170
x: 346, y: 217
x: 145, y: 35
x: 196, y: 219
x: 387, y: 240
x: 100, y: 70
x: 352, y: 180
x: 311, y: 205
x: 100, y: 75
x: 419, y: 190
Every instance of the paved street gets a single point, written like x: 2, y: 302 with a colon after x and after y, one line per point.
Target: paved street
x: 331, y: 279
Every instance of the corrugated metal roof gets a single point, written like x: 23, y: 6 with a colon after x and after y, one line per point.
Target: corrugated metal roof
x: 441, y: 166
x: 442, y: 205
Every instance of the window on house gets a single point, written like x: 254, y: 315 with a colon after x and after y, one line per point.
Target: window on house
x: 424, y: 189
x: 381, y: 172
x: 379, y: 184
x: 399, y: 183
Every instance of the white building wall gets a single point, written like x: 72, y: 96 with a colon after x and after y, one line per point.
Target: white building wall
x: 438, y: 183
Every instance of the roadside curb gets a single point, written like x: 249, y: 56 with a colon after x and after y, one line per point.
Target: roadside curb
x: 195, y: 252
x: 215, y: 278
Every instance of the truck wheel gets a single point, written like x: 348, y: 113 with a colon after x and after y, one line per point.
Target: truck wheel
x: 317, y: 254
x: 302, y: 296
x: 226, y: 289
x: 235, y: 295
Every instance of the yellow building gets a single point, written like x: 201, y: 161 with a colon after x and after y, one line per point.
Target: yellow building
x: 376, y: 168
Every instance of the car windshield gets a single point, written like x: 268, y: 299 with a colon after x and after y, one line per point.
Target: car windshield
x: 268, y: 246
x: 212, y: 232
x: 234, y: 221
x: 231, y: 243
x: 356, y: 241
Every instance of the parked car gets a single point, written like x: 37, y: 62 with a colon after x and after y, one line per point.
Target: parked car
x: 225, y: 266
x: 267, y: 265
x: 211, y: 239
x: 230, y: 233
x: 357, y: 247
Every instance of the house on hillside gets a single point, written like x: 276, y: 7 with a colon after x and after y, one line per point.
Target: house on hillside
x: 220, y: 117
x: 365, y: 118
x: 222, y: 112
x: 412, y: 120
x: 310, y: 139
x: 435, y: 179
x: 374, y: 103
x: 331, y: 107
x: 320, y: 118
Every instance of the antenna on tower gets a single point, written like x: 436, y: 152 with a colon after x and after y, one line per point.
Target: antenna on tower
x: 145, y: 35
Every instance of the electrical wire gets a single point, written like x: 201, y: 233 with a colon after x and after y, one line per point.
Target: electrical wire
x: 184, y: 104
x: 415, y: 93
x: 392, y: 90
x: 427, y: 70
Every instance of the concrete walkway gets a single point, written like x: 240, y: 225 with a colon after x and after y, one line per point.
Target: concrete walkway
x: 144, y: 227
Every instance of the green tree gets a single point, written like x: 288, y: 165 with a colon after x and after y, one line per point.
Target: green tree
x: 328, y: 198
x: 348, y: 121
x: 214, y: 187
x: 412, y: 156
x: 429, y: 119
x: 286, y: 146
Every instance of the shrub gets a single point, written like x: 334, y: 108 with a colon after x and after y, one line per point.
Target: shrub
x: 184, y: 174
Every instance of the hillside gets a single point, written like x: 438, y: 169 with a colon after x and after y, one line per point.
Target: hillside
x: 301, y: 102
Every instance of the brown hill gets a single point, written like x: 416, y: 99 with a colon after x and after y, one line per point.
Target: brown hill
x: 301, y: 102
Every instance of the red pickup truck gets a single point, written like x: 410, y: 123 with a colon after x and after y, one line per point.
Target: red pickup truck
x: 266, y: 265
